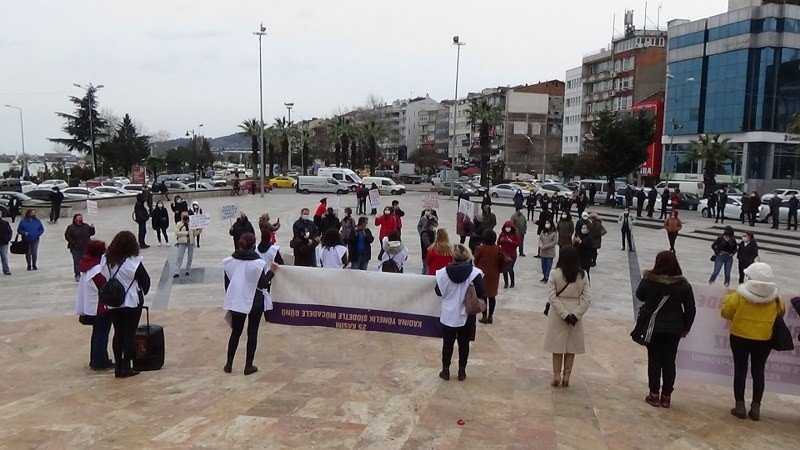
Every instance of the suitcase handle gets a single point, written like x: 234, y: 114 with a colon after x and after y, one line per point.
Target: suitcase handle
x: 147, y: 314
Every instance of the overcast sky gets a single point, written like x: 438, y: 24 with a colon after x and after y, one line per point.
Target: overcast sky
x: 175, y: 64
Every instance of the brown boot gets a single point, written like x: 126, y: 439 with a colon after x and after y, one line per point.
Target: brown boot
x: 755, y: 411
x: 739, y: 411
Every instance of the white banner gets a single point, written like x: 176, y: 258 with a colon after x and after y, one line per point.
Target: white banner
x: 705, y: 354
x: 356, y: 300
x: 91, y: 208
x: 199, y: 221
x: 228, y: 212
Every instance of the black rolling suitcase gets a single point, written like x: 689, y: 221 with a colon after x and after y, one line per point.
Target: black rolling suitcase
x: 149, y: 345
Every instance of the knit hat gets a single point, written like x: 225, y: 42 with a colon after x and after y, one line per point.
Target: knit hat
x: 759, y: 287
x: 584, y: 215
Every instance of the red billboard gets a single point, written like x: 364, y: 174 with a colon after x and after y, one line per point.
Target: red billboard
x: 653, y: 107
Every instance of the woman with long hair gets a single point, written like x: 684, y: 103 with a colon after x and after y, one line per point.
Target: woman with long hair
x: 568, y: 296
x: 122, y: 262
x: 452, y: 283
x: 246, y: 276
x: 747, y: 253
x: 333, y: 253
x: 668, y: 311
x: 440, y: 253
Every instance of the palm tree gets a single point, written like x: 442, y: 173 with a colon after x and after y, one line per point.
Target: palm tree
x: 252, y: 128
x: 713, y: 153
x: 372, y: 133
x: 485, y: 116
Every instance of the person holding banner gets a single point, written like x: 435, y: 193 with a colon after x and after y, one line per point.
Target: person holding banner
x: 184, y: 236
x: 667, y: 315
x: 452, y: 283
x: 246, y: 276
x: 752, y: 309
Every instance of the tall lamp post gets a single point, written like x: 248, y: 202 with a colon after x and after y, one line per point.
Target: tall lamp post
x: 289, y: 106
x: 22, y: 133
x: 458, y: 45
x: 262, y: 31
x: 91, y: 89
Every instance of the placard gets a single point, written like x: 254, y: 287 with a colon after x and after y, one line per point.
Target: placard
x: 228, y: 212
x: 430, y: 201
x: 374, y: 198
x: 199, y: 221
x: 91, y: 208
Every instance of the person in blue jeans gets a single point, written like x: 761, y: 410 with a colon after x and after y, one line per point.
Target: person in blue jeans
x: 360, y: 245
x: 5, y: 238
x: 724, y: 248
x: 31, y: 230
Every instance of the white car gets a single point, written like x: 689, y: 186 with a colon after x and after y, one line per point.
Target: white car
x: 733, y: 208
x: 111, y: 190
x: 84, y: 192
x: 783, y: 194
x: 50, y: 184
x: 507, y: 191
x: 122, y: 180
x: 28, y: 186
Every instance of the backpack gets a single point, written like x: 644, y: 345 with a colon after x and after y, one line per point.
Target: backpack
x: 390, y: 265
x: 113, y: 293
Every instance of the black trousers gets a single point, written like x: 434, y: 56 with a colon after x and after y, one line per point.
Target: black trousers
x: 626, y: 234
x: 463, y: 335
x: 757, y: 352
x: 125, y: 321
x: 672, y: 236
x: 237, y: 326
x: 661, y: 352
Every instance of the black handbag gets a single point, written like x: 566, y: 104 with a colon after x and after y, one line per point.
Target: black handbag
x: 781, y: 336
x: 19, y: 247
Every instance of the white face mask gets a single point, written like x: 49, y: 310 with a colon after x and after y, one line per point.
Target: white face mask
x: 304, y: 217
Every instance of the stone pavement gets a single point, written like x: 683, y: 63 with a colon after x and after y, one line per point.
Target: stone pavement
x: 335, y: 388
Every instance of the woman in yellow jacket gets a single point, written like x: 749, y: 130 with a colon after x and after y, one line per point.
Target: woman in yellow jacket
x: 752, y: 309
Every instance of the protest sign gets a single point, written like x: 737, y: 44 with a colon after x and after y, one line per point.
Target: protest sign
x: 91, y: 208
x: 705, y: 354
x: 228, y: 212
x: 199, y: 221
x: 430, y: 201
x: 374, y: 198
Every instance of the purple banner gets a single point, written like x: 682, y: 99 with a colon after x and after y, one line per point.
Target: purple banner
x: 355, y: 319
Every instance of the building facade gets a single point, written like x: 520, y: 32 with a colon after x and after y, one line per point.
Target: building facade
x: 736, y: 74
x: 573, y: 105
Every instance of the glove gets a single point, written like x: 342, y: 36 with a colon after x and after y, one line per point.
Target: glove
x: 571, y: 319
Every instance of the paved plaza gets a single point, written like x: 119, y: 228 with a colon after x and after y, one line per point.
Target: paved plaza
x: 320, y: 387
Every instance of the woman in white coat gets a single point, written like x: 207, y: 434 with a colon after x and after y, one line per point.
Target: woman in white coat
x: 568, y: 297
x: 122, y: 261
x: 246, y: 276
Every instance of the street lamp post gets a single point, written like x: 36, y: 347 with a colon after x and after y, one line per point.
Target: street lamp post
x: 22, y: 133
x: 289, y: 106
x: 91, y: 89
x: 458, y: 45
x: 262, y: 31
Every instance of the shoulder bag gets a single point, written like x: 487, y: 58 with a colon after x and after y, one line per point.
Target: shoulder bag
x: 474, y: 303
x: 781, y: 336
x: 547, y: 305
x: 641, y: 334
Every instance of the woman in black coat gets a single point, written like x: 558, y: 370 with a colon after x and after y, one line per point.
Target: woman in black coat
x: 747, y: 253
x: 666, y: 326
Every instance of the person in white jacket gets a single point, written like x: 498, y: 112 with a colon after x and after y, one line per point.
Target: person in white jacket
x: 184, y: 237
x: 246, y: 276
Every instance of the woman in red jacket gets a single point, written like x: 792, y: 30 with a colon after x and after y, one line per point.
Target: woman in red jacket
x: 508, y: 242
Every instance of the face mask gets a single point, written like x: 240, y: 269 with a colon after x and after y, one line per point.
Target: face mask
x: 307, y: 234
x: 584, y: 230
x: 507, y: 230
x: 547, y: 226
x: 304, y: 217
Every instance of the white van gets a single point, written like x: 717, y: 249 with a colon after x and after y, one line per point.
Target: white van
x: 385, y: 185
x: 308, y: 184
x: 342, y: 175
x: 692, y: 187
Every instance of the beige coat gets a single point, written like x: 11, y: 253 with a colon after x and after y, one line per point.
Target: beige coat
x: 561, y: 337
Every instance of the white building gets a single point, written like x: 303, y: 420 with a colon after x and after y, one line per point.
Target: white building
x: 573, y: 92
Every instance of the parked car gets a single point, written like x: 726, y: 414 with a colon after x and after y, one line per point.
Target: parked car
x: 506, y: 190
x: 783, y: 194
x: 50, y: 184
x: 111, y: 190
x: 733, y: 208
x: 282, y: 182
x: 458, y: 188
x: 83, y: 192
x: 553, y: 189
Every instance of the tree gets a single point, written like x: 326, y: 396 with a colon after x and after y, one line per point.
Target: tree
x: 618, y: 145
x: 713, y: 153
x: 485, y: 117
x: 82, y: 130
x: 126, y: 148
x: 373, y: 133
x: 252, y: 128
